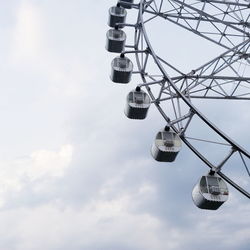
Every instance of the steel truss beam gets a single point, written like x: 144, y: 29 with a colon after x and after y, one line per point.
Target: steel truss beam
x: 227, y: 26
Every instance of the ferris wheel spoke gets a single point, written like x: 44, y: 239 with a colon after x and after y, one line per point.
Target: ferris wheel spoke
x: 211, y: 88
x: 176, y: 8
x: 220, y: 98
x: 206, y: 90
x: 214, y: 69
x: 203, y: 140
x: 227, y: 3
x: 161, y: 3
x: 192, y: 17
x: 207, y: 15
x: 244, y: 162
x: 218, y: 85
x: 150, y: 19
x: 214, y: 81
x: 169, y: 65
x: 151, y: 7
x: 239, y: 50
x: 156, y: 8
x: 237, y: 10
x: 237, y: 87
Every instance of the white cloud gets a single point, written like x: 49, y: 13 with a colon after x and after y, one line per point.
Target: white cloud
x: 98, y: 224
x: 28, y: 35
x: 49, y: 163
x: 39, y: 166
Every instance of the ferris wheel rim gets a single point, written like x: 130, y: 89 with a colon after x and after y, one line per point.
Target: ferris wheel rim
x: 235, y: 146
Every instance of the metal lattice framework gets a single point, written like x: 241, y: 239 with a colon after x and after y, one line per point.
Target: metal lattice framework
x: 226, y: 77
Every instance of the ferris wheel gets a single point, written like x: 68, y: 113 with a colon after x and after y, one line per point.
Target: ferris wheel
x: 224, y: 23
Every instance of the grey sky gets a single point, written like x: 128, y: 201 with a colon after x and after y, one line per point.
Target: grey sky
x: 74, y: 172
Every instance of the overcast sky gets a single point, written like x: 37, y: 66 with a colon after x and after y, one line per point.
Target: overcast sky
x: 74, y: 172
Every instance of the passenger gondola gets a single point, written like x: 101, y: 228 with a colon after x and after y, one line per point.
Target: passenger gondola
x: 210, y: 192
x: 117, y: 14
x: 166, y: 146
x: 137, y: 105
x: 121, y: 69
x: 115, y: 40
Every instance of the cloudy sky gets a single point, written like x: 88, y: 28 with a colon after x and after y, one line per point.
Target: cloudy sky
x: 74, y: 172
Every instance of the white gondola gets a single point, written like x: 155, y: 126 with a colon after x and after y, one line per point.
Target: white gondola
x: 138, y: 103
x: 115, y: 40
x: 121, y: 69
x: 117, y: 14
x: 166, y: 146
x: 126, y: 3
x: 210, y: 192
